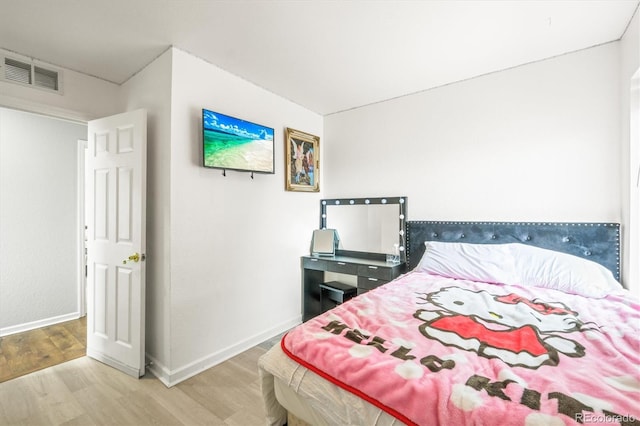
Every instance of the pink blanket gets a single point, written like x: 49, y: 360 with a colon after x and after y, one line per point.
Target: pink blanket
x: 431, y: 350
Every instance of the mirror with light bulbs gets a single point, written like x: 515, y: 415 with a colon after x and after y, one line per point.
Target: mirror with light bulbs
x: 367, y: 225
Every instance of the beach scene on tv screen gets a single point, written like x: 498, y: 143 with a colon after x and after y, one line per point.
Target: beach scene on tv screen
x: 231, y: 143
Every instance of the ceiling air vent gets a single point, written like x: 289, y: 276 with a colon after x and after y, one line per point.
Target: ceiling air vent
x: 32, y: 75
x: 17, y: 71
x: 45, y: 78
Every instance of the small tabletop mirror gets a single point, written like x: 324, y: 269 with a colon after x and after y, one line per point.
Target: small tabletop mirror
x: 367, y: 225
x: 324, y: 242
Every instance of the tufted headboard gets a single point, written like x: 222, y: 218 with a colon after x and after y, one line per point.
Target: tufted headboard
x: 598, y: 242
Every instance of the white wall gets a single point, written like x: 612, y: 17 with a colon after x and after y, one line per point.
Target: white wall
x: 540, y: 142
x: 630, y: 159
x: 151, y: 89
x: 236, y: 242
x: 223, y: 268
x: 38, y: 220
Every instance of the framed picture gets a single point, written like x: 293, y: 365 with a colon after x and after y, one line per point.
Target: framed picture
x: 302, y: 161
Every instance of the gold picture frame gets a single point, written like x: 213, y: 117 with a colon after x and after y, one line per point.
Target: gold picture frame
x: 302, y: 161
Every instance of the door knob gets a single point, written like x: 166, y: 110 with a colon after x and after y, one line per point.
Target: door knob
x: 135, y: 257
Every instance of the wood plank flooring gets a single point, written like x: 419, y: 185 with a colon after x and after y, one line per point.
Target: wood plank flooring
x: 33, y: 350
x: 86, y: 392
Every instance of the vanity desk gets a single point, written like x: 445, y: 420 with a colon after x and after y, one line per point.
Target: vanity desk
x: 367, y: 230
x: 371, y: 270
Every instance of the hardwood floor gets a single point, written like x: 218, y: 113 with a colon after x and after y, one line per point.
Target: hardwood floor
x: 86, y: 392
x: 33, y: 350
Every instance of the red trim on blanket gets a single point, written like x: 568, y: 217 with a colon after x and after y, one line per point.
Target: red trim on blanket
x: 345, y: 386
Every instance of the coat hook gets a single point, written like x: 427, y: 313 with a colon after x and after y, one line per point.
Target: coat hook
x: 251, y: 175
x: 224, y: 172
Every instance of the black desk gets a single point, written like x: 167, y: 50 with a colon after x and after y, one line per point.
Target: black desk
x: 370, y: 270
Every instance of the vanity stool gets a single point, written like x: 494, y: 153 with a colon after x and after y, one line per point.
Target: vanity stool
x: 336, y: 291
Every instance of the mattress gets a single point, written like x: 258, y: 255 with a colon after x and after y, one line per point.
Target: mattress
x: 289, y: 387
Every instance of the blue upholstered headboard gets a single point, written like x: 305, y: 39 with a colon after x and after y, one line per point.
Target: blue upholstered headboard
x: 598, y: 242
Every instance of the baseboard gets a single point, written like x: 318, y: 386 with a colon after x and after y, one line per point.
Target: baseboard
x: 6, y: 331
x: 173, y: 377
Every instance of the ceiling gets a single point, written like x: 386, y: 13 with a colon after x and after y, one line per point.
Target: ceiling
x: 327, y: 56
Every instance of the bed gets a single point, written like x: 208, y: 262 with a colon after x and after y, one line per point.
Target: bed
x: 508, y: 323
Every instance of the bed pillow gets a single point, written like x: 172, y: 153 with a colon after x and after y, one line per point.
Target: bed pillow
x: 518, y: 264
x: 561, y: 271
x: 489, y: 263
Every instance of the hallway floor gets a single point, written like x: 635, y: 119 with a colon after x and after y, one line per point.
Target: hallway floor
x: 33, y: 350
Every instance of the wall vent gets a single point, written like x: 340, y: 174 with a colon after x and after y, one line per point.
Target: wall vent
x: 43, y: 77
x: 26, y: 73
x: 17, y: 71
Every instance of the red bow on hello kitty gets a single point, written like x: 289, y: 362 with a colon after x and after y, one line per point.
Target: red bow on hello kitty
x: 541, y: 307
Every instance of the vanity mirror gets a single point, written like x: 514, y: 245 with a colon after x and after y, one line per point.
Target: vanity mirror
x: 324, y: 242
x: 370, y: 225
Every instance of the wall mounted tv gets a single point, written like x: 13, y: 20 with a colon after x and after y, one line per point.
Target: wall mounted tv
x: 233, y: 144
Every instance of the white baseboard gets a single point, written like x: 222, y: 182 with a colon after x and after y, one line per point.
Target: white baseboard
x: 38, y: 324
x: 173, y: 377
x: 159, y: 370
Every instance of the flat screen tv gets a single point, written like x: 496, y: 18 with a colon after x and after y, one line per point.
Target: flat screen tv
x: 233, y: 144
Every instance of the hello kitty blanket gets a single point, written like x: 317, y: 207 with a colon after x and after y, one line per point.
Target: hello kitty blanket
x: 432, y: 350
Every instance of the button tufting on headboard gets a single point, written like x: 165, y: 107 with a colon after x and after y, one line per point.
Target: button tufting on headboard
x: 600, y: 242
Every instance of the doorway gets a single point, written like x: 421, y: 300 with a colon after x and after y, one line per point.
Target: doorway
x: 39, y: 223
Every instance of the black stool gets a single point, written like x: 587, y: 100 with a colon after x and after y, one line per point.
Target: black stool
x: 336, y: 291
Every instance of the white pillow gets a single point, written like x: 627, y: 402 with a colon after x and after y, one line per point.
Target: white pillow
x: 489, y: 263
x: 518, y: 264
x: 561, y: 271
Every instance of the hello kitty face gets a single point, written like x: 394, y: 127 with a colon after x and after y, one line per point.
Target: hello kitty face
x: 511, y: 310
x: 512, y: 328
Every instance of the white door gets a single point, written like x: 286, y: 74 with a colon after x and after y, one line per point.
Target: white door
x: 116, y: 196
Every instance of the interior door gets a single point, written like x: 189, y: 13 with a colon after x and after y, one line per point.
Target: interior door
x: 115, y: 200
